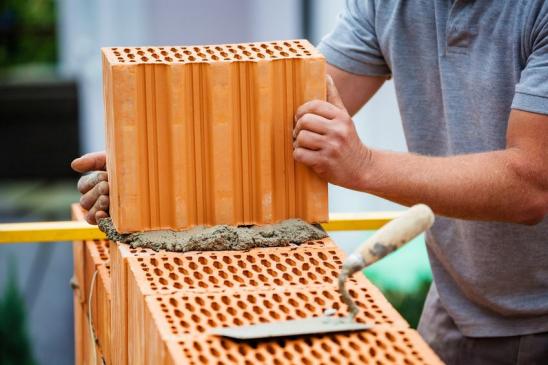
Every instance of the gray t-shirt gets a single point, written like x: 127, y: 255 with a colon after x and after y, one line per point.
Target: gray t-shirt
x: 459, y: 67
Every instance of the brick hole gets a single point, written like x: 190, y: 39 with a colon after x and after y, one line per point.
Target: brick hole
x: 201, y: 54
x: 192, y: 58
x: 188, y: 281
x: 237, y: 56
x: 144, y: 59
x: 196, y: 49
x: 290, y: 262
x: 390, y: 357
x: 201, y: 284
x: 168, y: 59
x: 182, y: 270
x: 158, y: 272
x: 274, y: 258
x: 232, y: 50
x: 319, y: 301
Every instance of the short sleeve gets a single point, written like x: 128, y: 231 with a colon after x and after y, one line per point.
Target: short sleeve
x: 353, y: 45
x: 532, y: 90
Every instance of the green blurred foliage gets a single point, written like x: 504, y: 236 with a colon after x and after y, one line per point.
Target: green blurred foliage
x: 27, y: 32
x: 15, y: 346
x: 409, y: 303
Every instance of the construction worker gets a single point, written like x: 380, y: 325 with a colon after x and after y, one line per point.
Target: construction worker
x: 471, y: 79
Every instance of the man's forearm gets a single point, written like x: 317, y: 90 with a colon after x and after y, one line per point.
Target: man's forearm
x: 481, y: 186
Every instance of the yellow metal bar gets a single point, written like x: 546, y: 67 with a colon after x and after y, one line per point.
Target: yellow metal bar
x: 358, y: 221
x: 76, y: 231
x: 48, y: 232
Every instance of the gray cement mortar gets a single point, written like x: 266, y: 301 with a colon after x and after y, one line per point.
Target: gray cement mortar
x: 219, y: 238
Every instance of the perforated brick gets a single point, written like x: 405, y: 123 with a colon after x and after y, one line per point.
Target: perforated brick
x: 257, y: 268
x: 184, y: 144
x: 376, y: 346
x: 194, y: 314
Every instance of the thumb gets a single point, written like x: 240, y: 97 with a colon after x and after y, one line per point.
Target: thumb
x: 333, y: 96
x: 90, y: 162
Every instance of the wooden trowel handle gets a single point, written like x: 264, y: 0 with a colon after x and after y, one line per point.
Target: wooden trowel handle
x: 390, y: 237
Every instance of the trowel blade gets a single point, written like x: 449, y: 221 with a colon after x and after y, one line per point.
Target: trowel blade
x: 297, y: 327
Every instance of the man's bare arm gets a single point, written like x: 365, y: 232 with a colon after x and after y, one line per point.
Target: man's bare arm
x: 356, y: 90
x: 508, y: 185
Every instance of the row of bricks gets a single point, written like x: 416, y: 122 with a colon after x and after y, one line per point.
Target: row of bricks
x: 209, y: 143
x: 168, y: 324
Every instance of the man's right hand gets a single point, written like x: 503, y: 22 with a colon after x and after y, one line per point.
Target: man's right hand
x: 93, y: 186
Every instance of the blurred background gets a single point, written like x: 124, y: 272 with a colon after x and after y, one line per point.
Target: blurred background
x: 51, y: 111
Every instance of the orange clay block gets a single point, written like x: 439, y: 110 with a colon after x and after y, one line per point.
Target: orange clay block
x: 379, y: 345
x: 203, y: 135
x: 79, y: 335
x: 180, y: 316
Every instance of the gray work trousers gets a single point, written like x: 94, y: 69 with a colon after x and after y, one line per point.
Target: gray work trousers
x: 441, y: 333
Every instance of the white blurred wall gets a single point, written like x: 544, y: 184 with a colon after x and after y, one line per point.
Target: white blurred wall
x: 85, y: 26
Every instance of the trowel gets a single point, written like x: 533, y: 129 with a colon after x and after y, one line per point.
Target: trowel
x: 387, y: 239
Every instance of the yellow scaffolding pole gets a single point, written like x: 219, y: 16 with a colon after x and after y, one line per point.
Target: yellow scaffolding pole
x: 77, y: 230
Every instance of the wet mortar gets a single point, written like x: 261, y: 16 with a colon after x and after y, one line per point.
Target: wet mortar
x: 219, y: 238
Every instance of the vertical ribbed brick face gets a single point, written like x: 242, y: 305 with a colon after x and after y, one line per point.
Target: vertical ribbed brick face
x: 203, y: 135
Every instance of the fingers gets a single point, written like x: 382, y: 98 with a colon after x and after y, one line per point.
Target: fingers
x: 99, y: 209
x: 311, y: 122
x: 318, y: 107
x: 90, y: 198
x: 90, y: 162
x: 100, y: 215
x: 333, y: 96
x: 305, y: 156
x: 309, y: 140
x: 88, y: 182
